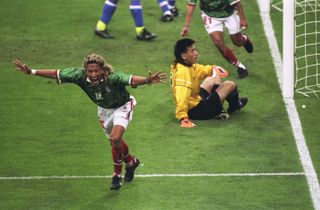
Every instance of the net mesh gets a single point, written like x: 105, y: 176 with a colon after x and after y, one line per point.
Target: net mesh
x: 307, y: 46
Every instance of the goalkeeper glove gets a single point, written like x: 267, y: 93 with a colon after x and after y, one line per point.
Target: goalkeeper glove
x: 186, y: 123
x: 218, y: 70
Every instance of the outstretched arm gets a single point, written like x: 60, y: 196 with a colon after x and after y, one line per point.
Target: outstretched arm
x: 48, y: 73
x: 151, y: 78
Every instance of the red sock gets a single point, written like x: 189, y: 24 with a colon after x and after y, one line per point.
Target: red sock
x: 117, y: 160
x: 119, y: 154
x: 125, y: 152
x: 230, y: 57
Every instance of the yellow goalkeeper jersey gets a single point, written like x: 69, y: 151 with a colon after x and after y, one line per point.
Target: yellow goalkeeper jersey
x: 185, y: 86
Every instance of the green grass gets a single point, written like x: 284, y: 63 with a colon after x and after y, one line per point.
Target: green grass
x: 160, y: 193
x: 48, y: 129
x: 309, y: 114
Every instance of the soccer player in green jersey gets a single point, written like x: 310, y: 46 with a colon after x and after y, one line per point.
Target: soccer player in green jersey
x: 217, y: 14
x: 107, y: 89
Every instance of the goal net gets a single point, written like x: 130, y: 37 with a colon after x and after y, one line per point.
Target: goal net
x: 307, y: 45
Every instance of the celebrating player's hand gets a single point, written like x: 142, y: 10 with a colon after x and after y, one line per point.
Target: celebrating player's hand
x: 22, y: 67
x: 156, y: 77
x: 186, y: 123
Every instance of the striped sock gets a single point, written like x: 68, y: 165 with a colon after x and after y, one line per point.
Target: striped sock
x: 125, y: 152
x: 230, y: 57
x: 117, y: 160
x: 163, y: 4
x: 172, y: 4
x: 136, y: 11
x: 109, y: 8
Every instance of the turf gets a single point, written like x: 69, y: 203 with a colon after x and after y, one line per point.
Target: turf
x: 52, y: 130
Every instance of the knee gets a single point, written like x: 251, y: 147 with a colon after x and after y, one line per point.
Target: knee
x: 217, y: 39
x: 115, y: 140
x: 232, y: 85
x: 219, y: 43
x: 237, y: 40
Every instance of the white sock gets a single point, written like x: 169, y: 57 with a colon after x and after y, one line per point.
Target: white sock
x: 241, y: 66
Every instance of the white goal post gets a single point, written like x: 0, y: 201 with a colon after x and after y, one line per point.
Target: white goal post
x: 301, y: 45
x: 288, y: 37
x: 288, y: 44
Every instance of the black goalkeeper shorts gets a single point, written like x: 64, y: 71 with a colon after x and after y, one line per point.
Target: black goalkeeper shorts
x: 209, y: 107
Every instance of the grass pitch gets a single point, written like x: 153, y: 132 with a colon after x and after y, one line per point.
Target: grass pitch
x: 50, y: 130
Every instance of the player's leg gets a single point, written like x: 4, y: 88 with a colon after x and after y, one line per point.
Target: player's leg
x: 106, y: 117
x: 209, y: 82
x: 173, y: 8
x: 114, y: 123
x: 232, y: 23
x: 108, y: 10
x: 166, y: 13
x: 122, y: 117
x: 210, y: 105
x: 136, y: 11
x: 121, y: 150
x: 213, y: 104
x: 118, y: 146
x: 218, y: 39
x: 214, y: 28
x: 239, y: 39
x: 228, y: 91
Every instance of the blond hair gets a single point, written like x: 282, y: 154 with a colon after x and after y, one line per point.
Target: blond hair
x: 98, y: 59
x: 107, y: 68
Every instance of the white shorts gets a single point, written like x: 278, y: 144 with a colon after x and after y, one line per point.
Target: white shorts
x: 232, y: 23
x: 119, y: 116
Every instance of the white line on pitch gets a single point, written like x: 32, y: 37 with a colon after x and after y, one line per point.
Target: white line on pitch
x: 293, y: 115
x: 155, y: 175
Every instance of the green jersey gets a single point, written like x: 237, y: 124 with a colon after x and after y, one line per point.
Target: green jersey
x: 110, y: 93
x: 216, y: 8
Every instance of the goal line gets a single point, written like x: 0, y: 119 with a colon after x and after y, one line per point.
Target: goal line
x: 156, y: 175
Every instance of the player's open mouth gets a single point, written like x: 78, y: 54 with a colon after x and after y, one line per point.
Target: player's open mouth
x: 94, y: 80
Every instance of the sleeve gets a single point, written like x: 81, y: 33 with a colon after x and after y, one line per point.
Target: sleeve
x: 192, y: 2
x: 182, y: 88
x: 71, y: 75
x: 182, y: 101
x: 233, y: 2
x: 204, y: 71
x: 119, y: 78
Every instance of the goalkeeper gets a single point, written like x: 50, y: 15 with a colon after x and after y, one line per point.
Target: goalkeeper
x: 106, y: 88
x: 197, y: 89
